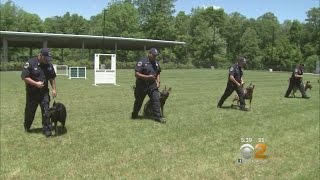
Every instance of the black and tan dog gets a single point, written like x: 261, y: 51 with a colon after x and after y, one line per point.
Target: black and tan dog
x: 306, y: 87
x: 57, y: 114
x: 248, y: 94
x: 164, y: 94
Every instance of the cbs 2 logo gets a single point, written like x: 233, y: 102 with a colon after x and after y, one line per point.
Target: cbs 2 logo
x: 247, y: 151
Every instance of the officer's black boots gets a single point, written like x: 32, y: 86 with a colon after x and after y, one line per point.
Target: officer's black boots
x: 27, y: 130
x: 160, y: 120
x: 134, y: 115
x: 47, y: 133
x: 244, y: 109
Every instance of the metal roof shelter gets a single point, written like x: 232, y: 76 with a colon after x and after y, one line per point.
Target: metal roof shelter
x: 39, y: 40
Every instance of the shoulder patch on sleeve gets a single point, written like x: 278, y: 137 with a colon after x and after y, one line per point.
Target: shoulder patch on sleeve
x: 231, y: 69
x: 26, y: 65
x: 296, y: 70
x: 139, y: 63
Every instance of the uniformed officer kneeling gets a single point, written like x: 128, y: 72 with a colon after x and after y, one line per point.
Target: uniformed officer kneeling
x: 147, y: 73
x: 235, y: 82
x: 36, y: 73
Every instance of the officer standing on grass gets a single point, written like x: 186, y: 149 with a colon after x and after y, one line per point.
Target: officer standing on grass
x: 36, y: 73
x: 296, y: 81
x: 147, y: 73
x: 235, y: 82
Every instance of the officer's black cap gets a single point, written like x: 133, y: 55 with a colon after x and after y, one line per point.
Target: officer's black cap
x: 154, y: 51
x: 242, y: 60
x: 301, y: 64
x: 46, y: 52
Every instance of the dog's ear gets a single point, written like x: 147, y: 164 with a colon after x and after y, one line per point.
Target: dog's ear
x: 169, y: 90
x: 253, y: 86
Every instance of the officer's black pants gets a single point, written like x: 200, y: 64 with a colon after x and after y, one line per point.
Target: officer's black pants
x: 293, y: 84
x: 140, y: 93
x: 229, y: 90
x: 32, y: 102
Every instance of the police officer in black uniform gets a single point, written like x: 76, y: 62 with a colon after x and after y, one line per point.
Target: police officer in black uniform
x: 296, y: 81
x: 147, y: 73
x: 36, y: 74
x: 235, y: 82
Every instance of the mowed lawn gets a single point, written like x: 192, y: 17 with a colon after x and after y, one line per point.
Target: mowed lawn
x: 199, y: 141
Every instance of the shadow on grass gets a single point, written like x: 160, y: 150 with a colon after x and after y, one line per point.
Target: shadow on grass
x: 60, y: 131
x: 36, y: 130
x: 295, y: 97
x: 232, y: 106
x: 144, y: 118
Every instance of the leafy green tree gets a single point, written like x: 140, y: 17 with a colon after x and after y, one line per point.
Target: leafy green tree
x: 157, y: 18
x: 295, y: 32
x: 232, y: 32
x: 8, y: 14
x: 28, y: 22
x: 182, y: 26
x: 312, y: 27
x: 249, y: 44
x: 267, y: 28
x: 207, y: 47
x: 122, y: 19
x: 311, y: 63
x: 69, y: 24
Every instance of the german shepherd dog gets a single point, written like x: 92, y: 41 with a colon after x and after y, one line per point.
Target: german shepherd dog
x: 306, y: 87
x: 58, y: 113
x: 164, y: 94
x: 248, y: 92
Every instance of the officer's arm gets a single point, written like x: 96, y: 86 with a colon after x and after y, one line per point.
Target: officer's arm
x: 158, y: 80
x: 142, y: 76
x: 53, y: 84
x: 30, y: 81
x: 297, y: 76
x: 232, y: 79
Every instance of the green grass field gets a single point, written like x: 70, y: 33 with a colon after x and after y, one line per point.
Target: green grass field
x: 198, y: 141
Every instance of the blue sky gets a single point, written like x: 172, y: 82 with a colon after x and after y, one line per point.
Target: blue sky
x: 283, y: 9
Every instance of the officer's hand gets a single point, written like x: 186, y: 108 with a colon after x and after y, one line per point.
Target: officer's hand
x: 151, y: 77
x: 54, y: 93
x: 158, y: 84
x: 39, y: 84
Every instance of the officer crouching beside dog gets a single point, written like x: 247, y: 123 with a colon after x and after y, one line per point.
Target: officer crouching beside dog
x: 147, y: 73
x: 235, y: 82
x: 36, y: 73
x: 296, y: 81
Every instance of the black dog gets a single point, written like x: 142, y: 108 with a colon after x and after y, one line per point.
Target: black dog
x: 147, y: 110
x: 58, y: 113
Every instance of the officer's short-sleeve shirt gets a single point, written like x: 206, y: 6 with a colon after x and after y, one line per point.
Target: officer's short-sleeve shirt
x: 38, y: 72
x: 236, y: 72
x: 297, y: 71
x: 144, y: 66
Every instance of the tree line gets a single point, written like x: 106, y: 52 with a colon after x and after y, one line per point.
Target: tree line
x: 213, y: 37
